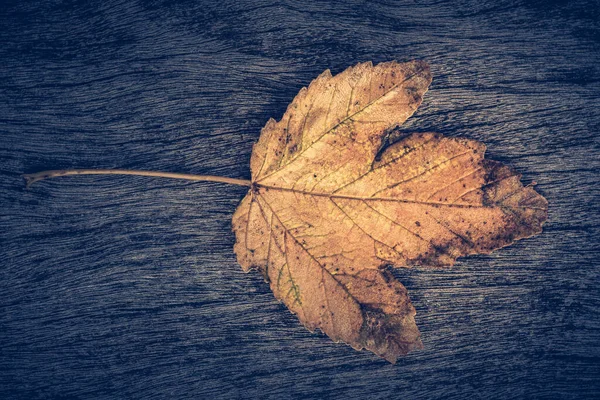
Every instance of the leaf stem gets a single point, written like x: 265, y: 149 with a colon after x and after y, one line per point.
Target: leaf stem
x: 38, y: 176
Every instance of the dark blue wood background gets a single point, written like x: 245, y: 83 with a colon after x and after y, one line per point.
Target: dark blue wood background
x: 127, y: 287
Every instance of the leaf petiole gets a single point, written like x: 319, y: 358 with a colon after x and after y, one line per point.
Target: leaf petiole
x: 38, y: 176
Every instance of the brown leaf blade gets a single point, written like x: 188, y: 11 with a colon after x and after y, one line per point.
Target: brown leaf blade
x: 323, y: 218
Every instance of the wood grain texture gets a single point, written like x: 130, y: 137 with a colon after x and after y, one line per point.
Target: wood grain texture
x: 127, y: 287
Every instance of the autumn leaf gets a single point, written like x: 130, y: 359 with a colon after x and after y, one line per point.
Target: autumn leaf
x: 327, y: 210
x: 335, y: 198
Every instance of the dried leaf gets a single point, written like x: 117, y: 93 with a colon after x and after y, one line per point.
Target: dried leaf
x: 325, y: 214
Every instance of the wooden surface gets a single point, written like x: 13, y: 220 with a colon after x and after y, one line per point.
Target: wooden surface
x: 127, y: 287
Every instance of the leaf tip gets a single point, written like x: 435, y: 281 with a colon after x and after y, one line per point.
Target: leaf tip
x: 325, y: 74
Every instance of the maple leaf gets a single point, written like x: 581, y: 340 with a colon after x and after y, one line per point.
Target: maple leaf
x: 330, y: 207
x: 324, y: 215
